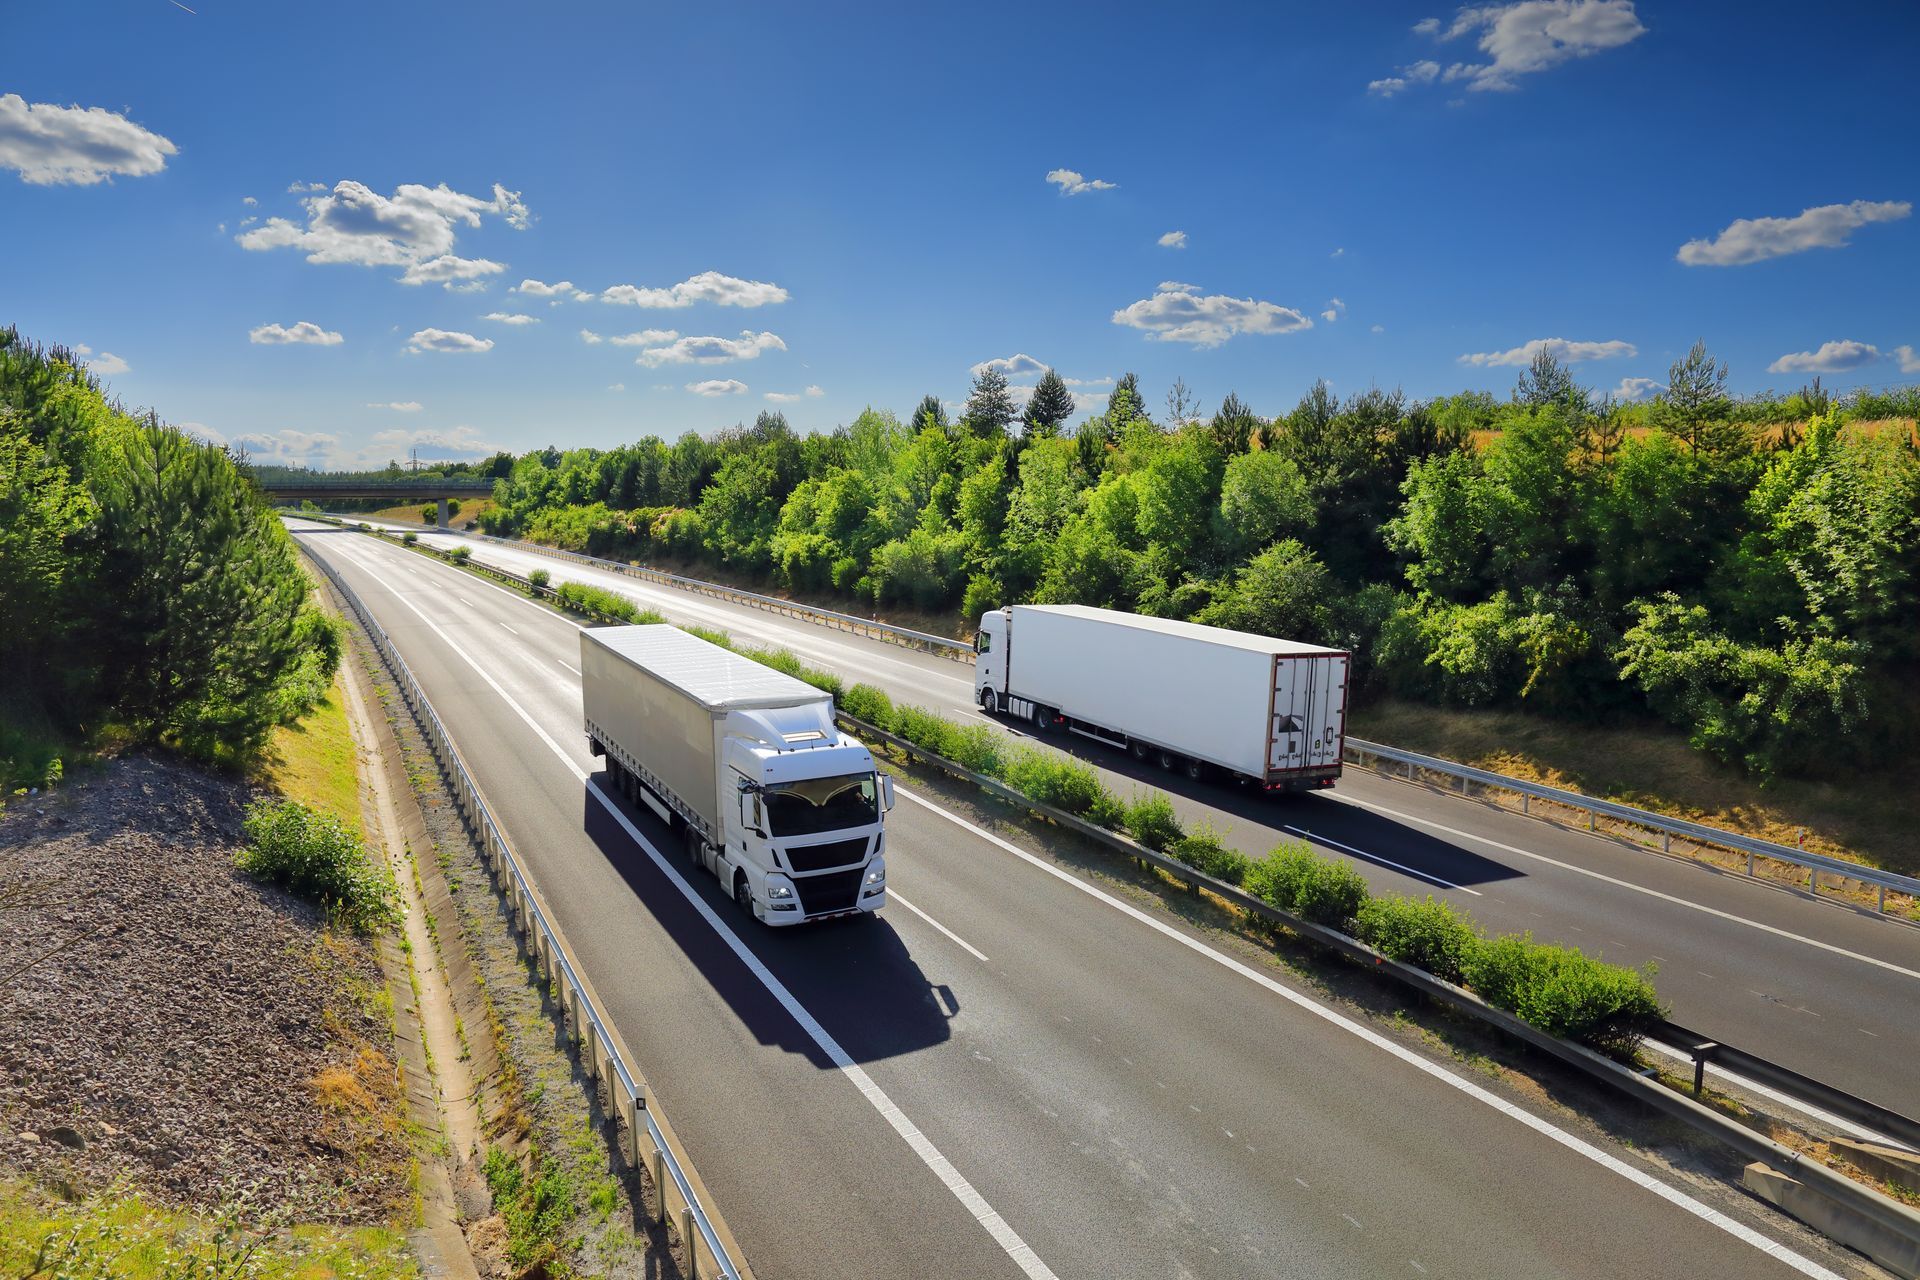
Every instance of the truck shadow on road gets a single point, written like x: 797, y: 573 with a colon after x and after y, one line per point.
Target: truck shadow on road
x: 854, y: 976
x: 1261, y: 820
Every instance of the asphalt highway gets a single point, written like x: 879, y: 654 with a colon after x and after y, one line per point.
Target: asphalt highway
x: 1013, y: 1072
x: 1820, y: 988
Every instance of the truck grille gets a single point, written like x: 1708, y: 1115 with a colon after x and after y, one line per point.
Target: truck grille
x: 834, y: 891
x: 831, y: 853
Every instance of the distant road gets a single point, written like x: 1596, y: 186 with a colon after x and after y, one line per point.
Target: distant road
x: 1818, y: 987
x: 1011, y: 1073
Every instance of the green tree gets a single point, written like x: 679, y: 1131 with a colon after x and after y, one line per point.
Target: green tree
x: 1050, y: 405
x: 41, y: 506
x: 1696, y: 409
x: 1262, y: 496
x: 1283, y: 592
x: 990, y: 407
x: 929, y: 413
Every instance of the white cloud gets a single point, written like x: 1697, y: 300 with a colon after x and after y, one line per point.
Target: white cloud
x: 414, y: 228
x: 1560, y: 348
x: 1378, y: 328
x: 616, y: 386
x: 1173, y: 240
x: 1635, y: 388
x: 1425, y: 71
x: 708, y: 286
x: 717, y: 387
x: 316, y: 449
x: 559, y: 292
x: 202, y: 432
x: 1909, y: 359
x: 1073, y: 184
x: 1335, y: 309
x: 1520, y: 40
x: 591, y: 338
x: 1088, y: 382
x: 643, y: 338
x: 711, y: 350
x: 1180, y: 313
x: 322, y: 450
x: 304, y: 331
x: 50, y: 145
x: 1338, y: 253
x: 448, y: 341
x: 399, y: 406
x: 1825, y: 226
x: 1832, y: 357
x: 105, y: 364
x: 302, y: 188
x: 248, y: 200
x: 791, y: 397
x: 510, y: 317
x: 1014, y: 366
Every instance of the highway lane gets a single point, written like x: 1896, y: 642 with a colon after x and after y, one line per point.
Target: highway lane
x: 1820, y: 988
x: 1130, y: 1105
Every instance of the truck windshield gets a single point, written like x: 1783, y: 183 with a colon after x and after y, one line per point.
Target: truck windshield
x: 822, y: 804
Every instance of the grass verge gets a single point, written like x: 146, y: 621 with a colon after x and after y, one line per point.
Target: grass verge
x: 314, y: 763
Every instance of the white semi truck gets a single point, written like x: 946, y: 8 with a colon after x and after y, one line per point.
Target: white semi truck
x: 1271, y: 713
x: 746, y: 765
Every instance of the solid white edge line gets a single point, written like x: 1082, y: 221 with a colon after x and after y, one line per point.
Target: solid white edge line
x: 1628, y: 884
x: 971, y: 1200
x: 1579, y: 1146
x: 1376, y: 858
x: 955, y: 938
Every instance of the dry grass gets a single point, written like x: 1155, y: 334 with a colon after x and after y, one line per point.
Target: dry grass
x: 1867, y: 819
x: 409, y: 513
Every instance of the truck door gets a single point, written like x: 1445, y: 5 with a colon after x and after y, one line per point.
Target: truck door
x: 1287, y: 744
x: 1327, y: 709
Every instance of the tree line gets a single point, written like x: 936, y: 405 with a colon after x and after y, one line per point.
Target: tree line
x: 1747, y: 569
x: 147, y: 592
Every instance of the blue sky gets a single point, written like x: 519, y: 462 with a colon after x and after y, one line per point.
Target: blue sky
x: 849, y: 205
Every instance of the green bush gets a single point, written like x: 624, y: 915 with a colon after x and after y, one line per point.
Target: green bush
x: 979, y: 747
x: 1055, y: 780
x: 1107, y: 811
x: 1428, y: 934
x: 711, y: 636
x: 314, y: 855
x: 1151, y: 821
x: 460, y: 555
x: 924, y: 728
x: 864, y: 702
x: 1295, y: 878
x: 581, y: 598
x: 538, y: 579
x: 1203, y: 850
x: 788, y: 663
x: 1567, y: 993
x: 429, y: 514
x: 409, y: 537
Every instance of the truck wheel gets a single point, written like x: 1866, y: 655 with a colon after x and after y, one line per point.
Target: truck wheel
x: 989, y: 703
x: 741, y: 893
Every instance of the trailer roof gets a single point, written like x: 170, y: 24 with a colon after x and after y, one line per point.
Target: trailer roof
x: 715, y: 678
x: 1186, y: 630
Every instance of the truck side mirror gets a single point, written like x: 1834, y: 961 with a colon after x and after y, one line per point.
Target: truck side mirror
x: 758, y: 822
x: 886, y: 793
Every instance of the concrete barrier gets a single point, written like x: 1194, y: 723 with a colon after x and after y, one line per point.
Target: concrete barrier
x: 1889, y: 1164
x: 1898, y: 1253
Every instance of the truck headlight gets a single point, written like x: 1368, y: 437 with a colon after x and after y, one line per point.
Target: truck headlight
x: 876, y: 875
x: 778, y: 892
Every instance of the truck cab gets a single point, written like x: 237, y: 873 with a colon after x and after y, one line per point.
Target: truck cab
x: 804, y: 837
x: 990, y: 661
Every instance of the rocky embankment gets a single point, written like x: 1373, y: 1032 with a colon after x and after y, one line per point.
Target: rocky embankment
x: 183, y: 1030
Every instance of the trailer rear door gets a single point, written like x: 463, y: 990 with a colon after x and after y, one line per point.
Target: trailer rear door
x: 1309, y: 712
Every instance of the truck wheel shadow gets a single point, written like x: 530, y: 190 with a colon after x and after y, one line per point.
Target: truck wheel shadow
x: 854, y: 975
x: 1267, y: 817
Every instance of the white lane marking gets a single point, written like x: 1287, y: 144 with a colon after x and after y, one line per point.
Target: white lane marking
x: 953, y: 937
x: 569, y: 666
x: 466, y: 602
x: 1022, y: 1254
x: 1008, y: 1239
x: 1628, y: 884
x: 1579, y: 1146
x: 1385, y: 862
x: 510, y: 629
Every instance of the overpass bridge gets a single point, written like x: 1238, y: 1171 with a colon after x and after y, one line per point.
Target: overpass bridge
x: 392, y: 492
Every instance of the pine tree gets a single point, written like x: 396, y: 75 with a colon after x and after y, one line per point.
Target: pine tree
x: 1050, y: 405
x: 990, y: 407
x: 1130, y: 384
x: 930, y: 413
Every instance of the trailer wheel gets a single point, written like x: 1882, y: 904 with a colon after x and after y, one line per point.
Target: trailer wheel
x: 1196, y: 770
x: 1169, y: 761
x: 1139, y: 750
x: 1042, y: 721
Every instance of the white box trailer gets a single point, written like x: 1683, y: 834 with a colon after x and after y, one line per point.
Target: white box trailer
x: 1196, y: 698
x: 745, y: 764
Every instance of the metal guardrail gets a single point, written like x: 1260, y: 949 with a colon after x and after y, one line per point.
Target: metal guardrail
x: 1356, y: 749
x: 598, y: 1048
x: 1667, y: 828
x: 1882, y: 1210
x: 848, y: 622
